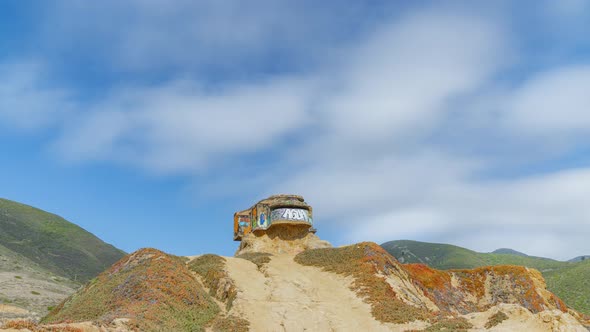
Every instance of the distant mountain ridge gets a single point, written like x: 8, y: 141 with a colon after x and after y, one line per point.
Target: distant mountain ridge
x: 54, y: 243
x: 509, y: 251
x: 568, y: 280
x: 579, y: 258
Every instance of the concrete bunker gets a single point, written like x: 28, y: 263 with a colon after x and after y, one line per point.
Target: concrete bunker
x: 275, y: 210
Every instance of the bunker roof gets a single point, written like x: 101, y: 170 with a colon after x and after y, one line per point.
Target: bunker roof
x: 284, y: 200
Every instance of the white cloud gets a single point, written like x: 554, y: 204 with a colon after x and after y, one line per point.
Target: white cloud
x: 228, y: 36
x: 93, y: 135
x: 484, y: 216
x: 358, y: 138
x: 341, y: 188
x: 179, y: 127
x: 553, y: 102
x: 566, y: 9
x: 27, y: 100
x: 401, y: 79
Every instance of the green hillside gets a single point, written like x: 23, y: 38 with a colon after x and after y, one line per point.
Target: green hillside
x: 54, y: 243
x: 572, y: 283
x: 508, y: 251
x: 155, y: 290
x: 568, y: 280
x: 579, y: 258
x: 440, y: 256
x: 25, y: 284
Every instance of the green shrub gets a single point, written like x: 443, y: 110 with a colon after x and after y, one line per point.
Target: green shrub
x: 496, y: 319
x: 258, y: 258
x: 211, y: 268
x: 230, y: 324
x: 452, y: 325
x: 155, y: 290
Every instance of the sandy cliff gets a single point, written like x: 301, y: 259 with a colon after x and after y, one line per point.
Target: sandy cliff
x: 289, y: 287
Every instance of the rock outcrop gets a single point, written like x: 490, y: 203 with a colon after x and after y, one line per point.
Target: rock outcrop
x: 281, y: 239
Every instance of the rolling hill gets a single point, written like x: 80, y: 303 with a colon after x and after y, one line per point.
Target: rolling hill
x: 508, y: 251
x: 28, y: 290
x: 579, y: 258
x: 54, y: 243
x: 43, y: 259
x: 572, y: 283
x: 568, y: 280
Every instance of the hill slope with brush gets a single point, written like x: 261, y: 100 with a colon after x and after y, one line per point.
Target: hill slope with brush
x: 27, y: 290
x: 44, y: 259
x: 568, y: 280
x: 54, y: 243
x: 359, y: 287
x: 572, y: 283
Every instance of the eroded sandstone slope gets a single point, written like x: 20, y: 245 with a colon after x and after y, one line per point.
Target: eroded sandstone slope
x: 352, y: 288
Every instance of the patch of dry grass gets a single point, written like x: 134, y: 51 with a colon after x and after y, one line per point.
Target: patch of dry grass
x: 258, y: 258
x: 230, y: 324
x: 206, y: 263
x: 155, y: 290
x: 363, y: 262
x: 20, y: 324
x: 34, y: 327
x: 211, y: 268
x: 430, y: 278
x: 496, y: 319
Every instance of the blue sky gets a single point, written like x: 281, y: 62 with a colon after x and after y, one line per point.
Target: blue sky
x: 150, y: 122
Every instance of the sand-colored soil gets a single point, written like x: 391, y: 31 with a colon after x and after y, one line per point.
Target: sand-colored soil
x: 521, y: 319
x: 287, y: 239
x: 287, y: 296
x: 283, y: 295
x: 31, y: 293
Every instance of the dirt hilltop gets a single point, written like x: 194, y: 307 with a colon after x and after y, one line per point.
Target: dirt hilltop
x: 285, y: 286
x: 286, y: 239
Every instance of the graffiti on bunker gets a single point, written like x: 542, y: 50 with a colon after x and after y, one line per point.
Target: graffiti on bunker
x: 262, y: 219
x: 254, y: 218
x: 282, y: 209
x: 290, y: 214
x: 243, y: 223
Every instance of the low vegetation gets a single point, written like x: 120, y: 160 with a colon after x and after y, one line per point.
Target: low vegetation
x: 362, y: 262
x: 572, y: 284
x: 429, y: 278
x: 34, y: 327
x: 496, y: 319
x: 230, y: 324
x: 211, y: 268
x: 53, y: 243
x: 258, y: 258
x: 26, y: 284
x: 204, y: 264
x: 155, y: 290
x: 505, y: 284
x: 446, y: 256
x: 570, y: 281
x: 453, y: 324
